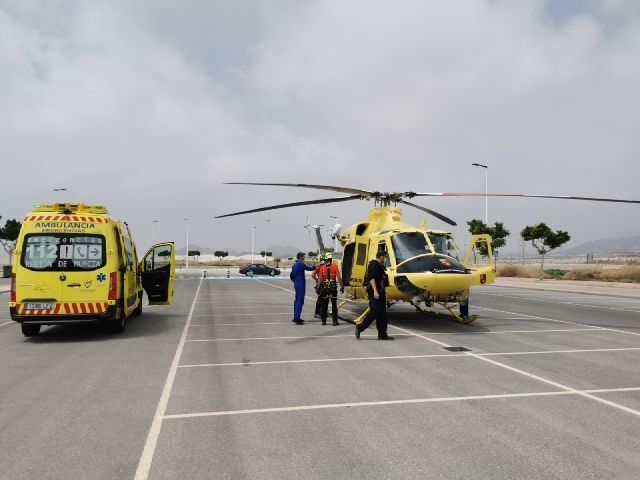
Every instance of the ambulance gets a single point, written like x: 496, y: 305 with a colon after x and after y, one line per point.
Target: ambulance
x: 74, y: 263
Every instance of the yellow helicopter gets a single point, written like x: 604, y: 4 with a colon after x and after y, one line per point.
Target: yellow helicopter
x: 423, y: 264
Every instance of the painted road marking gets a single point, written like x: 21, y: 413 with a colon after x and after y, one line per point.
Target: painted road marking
x: 399, y: 402
x: 144, y: 464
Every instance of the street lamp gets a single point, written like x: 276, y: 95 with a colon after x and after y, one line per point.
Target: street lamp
x: 153, y: 231
x: 486, y: 191
x: 187, y: 261
x: 265, y: 242
x: 253, y: 241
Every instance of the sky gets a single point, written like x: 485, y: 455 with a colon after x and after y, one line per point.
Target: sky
x: 147, y: 107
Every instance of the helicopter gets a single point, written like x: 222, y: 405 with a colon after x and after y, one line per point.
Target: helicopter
x: 423, y: 264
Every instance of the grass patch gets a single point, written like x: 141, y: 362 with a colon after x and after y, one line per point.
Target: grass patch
x: 555, y: 273
x: 624, y: 274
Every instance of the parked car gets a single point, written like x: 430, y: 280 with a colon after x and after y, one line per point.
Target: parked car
x: 259, y: 269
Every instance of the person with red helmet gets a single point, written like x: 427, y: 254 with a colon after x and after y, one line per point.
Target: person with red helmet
x: 327, y: 284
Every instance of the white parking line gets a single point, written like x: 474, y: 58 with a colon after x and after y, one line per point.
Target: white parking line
x: 144, y: 464
x: 275, y: 305
x: 534, y: 377
x: 609, y: 329
x: 563, y: 303
x: 6, y: 323
x: 568, y: 389
x: 399, y: 402
x: 239, y: 324
x: 245, y: 302
x: 404, y: 357
x: 240, y: 314
x: 321, y: 360
x: 596, y: 329
x: 299, y: 337
x: 582, y: 350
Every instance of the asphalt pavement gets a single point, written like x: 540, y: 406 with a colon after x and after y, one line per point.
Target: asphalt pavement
x: 543, y: 385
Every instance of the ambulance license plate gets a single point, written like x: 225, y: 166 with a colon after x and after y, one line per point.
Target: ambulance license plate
x: 39, y: 306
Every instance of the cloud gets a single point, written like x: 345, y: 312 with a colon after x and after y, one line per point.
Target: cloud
x: 148, y: 107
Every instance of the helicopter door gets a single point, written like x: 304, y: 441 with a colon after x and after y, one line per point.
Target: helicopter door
x: 480, y: 273
x: 347, y: 263
x: 359, y: 267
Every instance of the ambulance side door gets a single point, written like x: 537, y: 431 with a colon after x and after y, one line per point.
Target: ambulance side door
x: 128, y: 269
x: 158, y: 272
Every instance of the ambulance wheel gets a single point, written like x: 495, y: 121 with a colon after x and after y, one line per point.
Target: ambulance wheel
x: 30, y: 330
x: 116, y: 325
x: 138, y: 311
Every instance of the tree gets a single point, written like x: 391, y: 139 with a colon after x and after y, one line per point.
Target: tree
x: 497, y: 233
x: 194, y: 253
x: 277, y: 261
x: 312, y: 255
x: 221, y: 254
x: 544, y: 240
x: 9, y: 236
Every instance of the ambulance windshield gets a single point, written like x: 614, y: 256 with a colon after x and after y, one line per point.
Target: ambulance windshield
x: 63, y: 252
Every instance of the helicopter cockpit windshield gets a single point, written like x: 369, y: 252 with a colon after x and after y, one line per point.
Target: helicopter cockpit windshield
x: 409, y: 245
x: 413, y: 255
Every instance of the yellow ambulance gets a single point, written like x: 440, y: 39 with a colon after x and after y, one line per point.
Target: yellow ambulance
x: 74, y: 263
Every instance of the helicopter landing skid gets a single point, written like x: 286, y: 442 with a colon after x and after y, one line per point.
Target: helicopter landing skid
x: 449, y: 308
x: 360, y: 319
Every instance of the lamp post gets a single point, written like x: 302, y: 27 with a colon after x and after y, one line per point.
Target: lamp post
x: 486, y: 191
x: 153, y: 231
x: 253, y: 241
x: 335, y: 240
x: 187, y: 261
x: 265, y: 243
x: 57, y: 190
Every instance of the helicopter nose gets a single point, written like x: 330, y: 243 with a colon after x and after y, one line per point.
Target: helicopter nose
x: 436, y: 283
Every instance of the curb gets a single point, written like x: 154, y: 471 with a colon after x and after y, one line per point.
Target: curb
x: 571, y: 286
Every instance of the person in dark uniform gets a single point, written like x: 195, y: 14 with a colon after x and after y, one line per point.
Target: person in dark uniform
x: 297, y: 276
x: 314, y: 275
x: 328, y: 279
x: 377, y: 281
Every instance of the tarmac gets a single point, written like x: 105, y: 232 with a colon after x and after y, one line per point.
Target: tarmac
x: 615, y: 289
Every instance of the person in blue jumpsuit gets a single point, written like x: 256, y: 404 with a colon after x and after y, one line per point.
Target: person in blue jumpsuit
x: 299, y: 283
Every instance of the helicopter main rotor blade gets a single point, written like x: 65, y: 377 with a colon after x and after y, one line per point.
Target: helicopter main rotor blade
x: 352, y: 191
x: 430, y: 212
x: 295, y: 204
x: 562, y: 197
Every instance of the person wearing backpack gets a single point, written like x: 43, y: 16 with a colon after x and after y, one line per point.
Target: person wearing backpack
x: 328, y: 279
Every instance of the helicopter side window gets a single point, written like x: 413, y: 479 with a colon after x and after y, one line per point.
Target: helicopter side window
x: 362, y: 254
x: 444, y: 243
x: 382, y: 246
x: 409, y: 245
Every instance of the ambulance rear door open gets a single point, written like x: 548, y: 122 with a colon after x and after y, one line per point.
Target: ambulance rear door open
x: 158, y: 272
